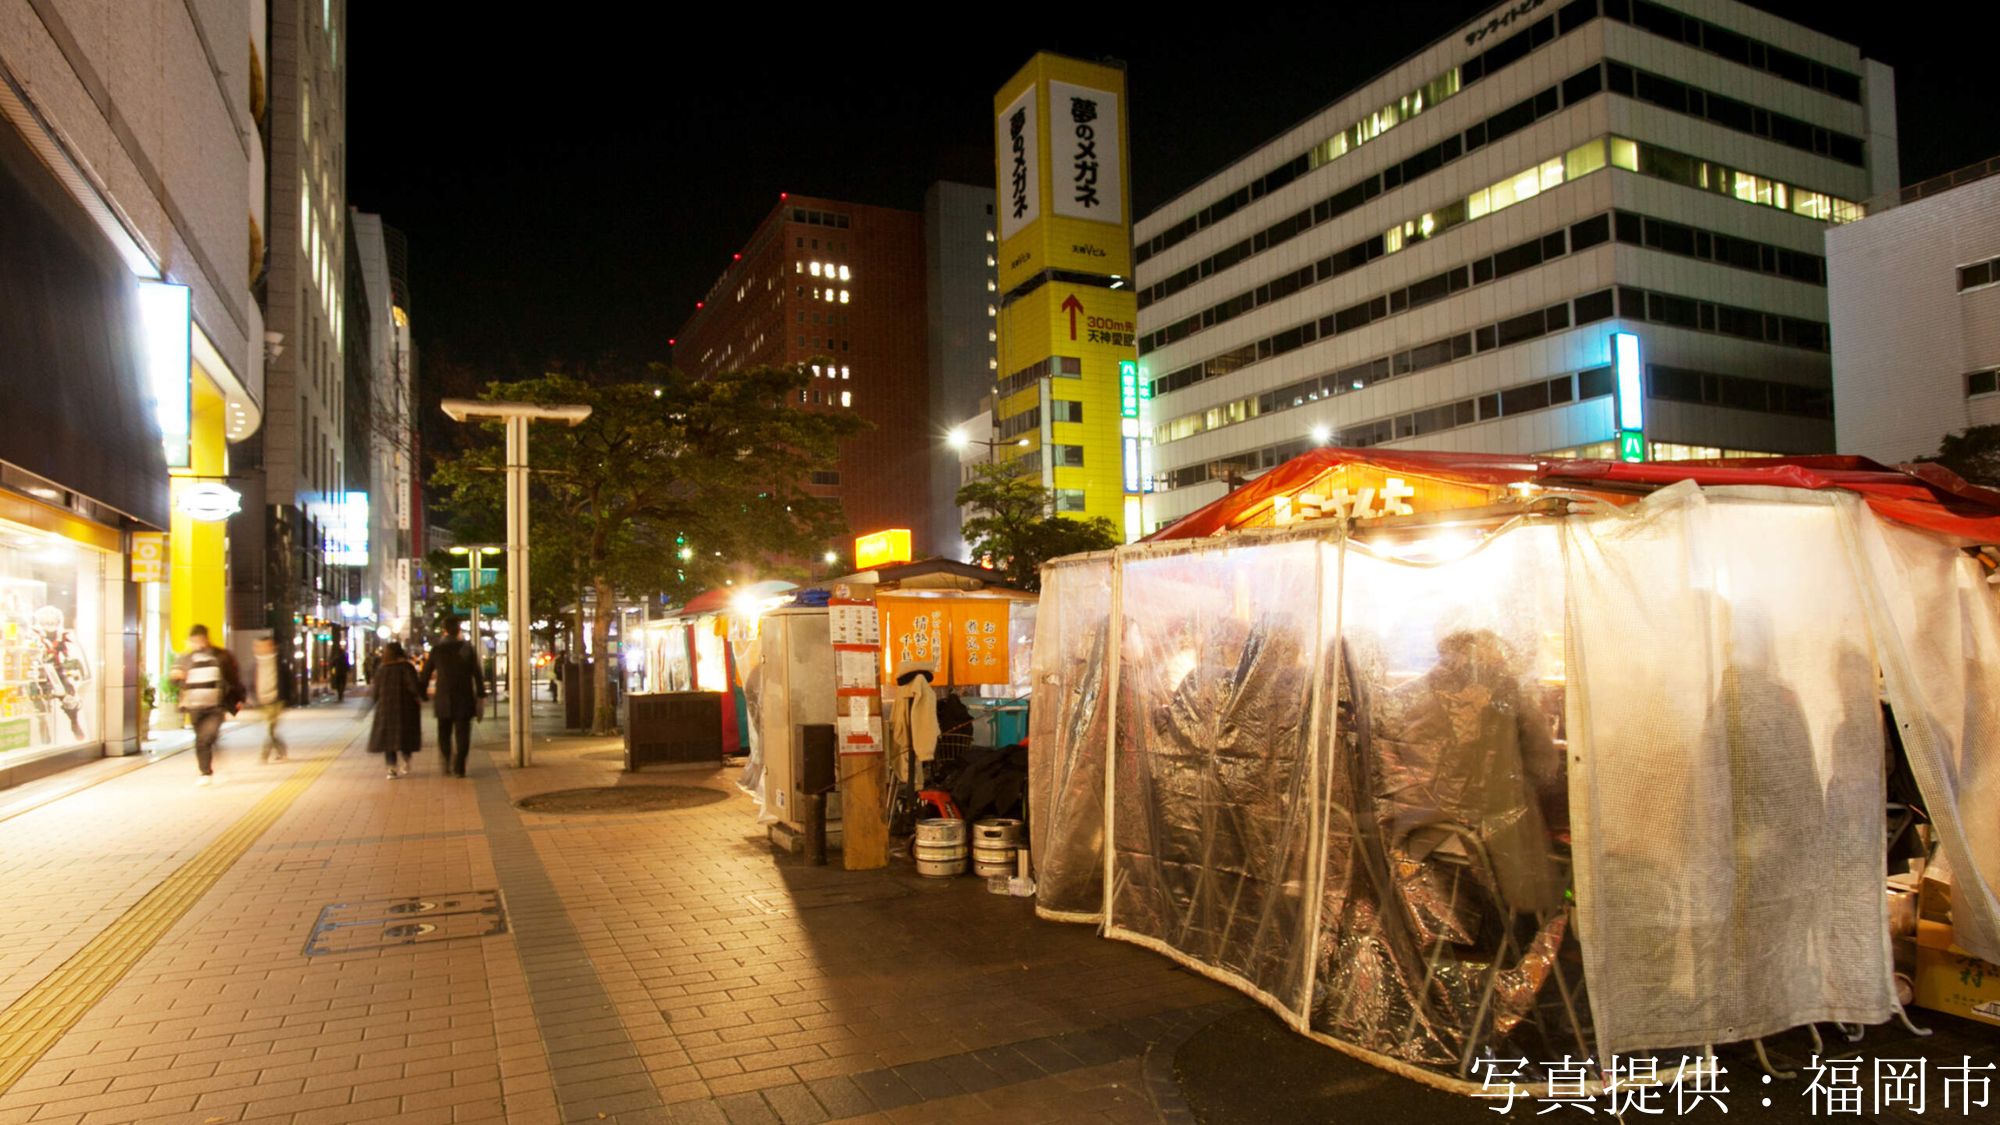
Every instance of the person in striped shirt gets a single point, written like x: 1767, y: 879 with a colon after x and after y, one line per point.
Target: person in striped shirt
x: 210, y: 691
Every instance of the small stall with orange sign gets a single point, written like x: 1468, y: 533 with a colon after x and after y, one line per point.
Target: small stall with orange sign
x: 946, y: 619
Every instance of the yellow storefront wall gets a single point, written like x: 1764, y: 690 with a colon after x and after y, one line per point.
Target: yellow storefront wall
x: 199, y: 551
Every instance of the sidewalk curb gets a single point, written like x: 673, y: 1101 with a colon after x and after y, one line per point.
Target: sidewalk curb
x: 127, y: 763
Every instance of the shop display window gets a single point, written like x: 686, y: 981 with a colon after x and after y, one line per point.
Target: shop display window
x: 51, y: 620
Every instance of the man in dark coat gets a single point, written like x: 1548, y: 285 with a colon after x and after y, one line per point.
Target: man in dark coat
x: 459, y: 690
x: 337, y: 677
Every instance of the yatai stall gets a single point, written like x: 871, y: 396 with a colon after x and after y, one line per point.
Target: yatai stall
x: 1445, y: 758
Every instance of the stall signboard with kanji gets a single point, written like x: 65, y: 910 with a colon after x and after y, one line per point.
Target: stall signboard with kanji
x: 979, y: 648
x: 913, y: 633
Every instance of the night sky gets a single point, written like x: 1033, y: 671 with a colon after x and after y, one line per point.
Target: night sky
x: 570, y: 191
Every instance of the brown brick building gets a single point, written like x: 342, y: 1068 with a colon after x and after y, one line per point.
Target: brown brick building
x: 839, y: 286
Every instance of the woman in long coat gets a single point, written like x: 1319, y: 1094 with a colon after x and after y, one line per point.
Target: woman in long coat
x: 398, y: 727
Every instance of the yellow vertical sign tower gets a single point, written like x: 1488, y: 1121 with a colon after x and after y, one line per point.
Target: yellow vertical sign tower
x: 1067, y: 379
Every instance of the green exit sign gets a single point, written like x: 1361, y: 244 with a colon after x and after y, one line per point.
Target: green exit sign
x: 1631, y: 445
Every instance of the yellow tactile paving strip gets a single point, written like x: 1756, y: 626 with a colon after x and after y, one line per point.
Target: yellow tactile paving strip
x: 44, y: 1014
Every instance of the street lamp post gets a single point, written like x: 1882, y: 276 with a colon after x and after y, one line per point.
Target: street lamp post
x: 958, y: 440
x: 477, y: 551
x: 517, y: 415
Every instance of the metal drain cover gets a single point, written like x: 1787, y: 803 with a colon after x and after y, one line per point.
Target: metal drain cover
x: 355, y: 927
x: 622, y: 798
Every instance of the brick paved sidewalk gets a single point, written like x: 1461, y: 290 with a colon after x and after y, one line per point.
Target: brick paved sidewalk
x: 654, y: 967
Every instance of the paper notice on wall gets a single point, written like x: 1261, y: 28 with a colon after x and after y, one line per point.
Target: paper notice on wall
x: 859, y: 735
x: 857, y: 708
x: 855, y: 670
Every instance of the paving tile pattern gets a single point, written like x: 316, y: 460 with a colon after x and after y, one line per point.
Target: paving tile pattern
x: 658, y: 967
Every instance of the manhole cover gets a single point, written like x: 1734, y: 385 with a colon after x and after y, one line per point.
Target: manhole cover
x: 353, y: 927
x: 604, y: 756
x: 628, y: 798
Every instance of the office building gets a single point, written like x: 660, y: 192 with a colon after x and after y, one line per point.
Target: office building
x: 1067, y: 400
x: 1915, y: 293
x: 961, y: 282
x: 131, y: 222
x: 383, y: 264
x: 838, y: 287
x: 286, y: 579
x: 1440, y: 259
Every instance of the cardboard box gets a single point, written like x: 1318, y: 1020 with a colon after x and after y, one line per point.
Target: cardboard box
x: 1952, y: 981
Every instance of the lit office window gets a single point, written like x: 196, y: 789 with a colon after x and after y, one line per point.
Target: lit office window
x: 989, y: 236
x: 843, y: 273
x: 843, y: 372
x: 843, y: 296
x: 847, y: 398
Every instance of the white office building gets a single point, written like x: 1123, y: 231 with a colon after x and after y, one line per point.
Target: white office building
x: 1916, y: 318
x: 1440, y: 259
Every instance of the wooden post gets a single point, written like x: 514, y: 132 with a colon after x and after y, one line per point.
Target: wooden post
x: 864, y: 832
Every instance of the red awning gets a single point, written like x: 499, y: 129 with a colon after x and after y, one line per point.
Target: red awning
x: 1926, y: 496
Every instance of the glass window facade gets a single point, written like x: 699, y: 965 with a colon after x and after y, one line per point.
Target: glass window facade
x: 51, y: 626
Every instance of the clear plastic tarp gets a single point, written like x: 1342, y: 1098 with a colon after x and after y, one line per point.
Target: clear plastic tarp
x: 1729, y: 794
x: 1610, y: 782
x: 1443, y: 936
x: 1213, y: 775
x: 1069, y: 720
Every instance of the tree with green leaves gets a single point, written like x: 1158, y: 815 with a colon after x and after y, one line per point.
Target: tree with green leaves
x: 672, y: 484
x: 1015, y: 525
x: 1973, y: 454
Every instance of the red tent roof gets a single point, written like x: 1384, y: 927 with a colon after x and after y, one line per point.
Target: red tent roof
x: 1928, y: 496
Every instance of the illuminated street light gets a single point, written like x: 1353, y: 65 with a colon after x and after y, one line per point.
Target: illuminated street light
x: 958, y: 440
x: 831, y: 557
x: 1321, y: 435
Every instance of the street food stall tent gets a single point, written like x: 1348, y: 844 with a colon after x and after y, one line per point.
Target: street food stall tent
x: 971, y: 635
x: 1454, y: 758
x: 691, y: 650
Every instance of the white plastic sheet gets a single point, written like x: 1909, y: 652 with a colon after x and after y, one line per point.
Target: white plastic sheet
x: 1938, y: 625
x: 1726, y: 770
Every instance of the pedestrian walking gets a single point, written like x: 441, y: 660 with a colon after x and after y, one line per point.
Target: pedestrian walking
x: 270, y: 693
x: 556, y: 669
x: 398, y: 729
x: 211, y: 691
x: 337, y: 676
x: 460, y: 688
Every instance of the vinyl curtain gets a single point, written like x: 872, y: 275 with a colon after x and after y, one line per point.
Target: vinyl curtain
x: 1359, y: 787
